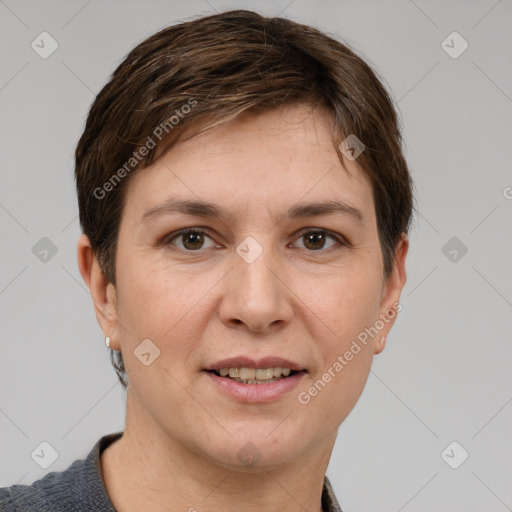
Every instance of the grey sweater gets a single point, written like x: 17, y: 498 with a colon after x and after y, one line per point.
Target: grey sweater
x: 80, y: 488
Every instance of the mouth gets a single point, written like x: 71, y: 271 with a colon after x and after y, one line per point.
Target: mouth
x: 261, y: 376
x: 258, y: 383
x: 253, y: 381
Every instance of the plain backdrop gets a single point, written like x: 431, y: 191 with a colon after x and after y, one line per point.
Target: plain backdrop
x: 445, y: 375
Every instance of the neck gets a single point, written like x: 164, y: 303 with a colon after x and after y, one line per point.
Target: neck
x: 147, y: 469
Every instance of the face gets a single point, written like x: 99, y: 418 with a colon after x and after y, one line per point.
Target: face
x: 264, y: 280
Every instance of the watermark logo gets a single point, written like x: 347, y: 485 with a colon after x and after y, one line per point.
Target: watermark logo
x: 454, y: 249
x: 249, y: 454
x: 454, y: 45
x: 249, y: 250
x: 351, y: 147
x: 44, y: 250
x: 44, y: 454
x: 44, y: 45
x: 454, y: 455
x: 147, y: 352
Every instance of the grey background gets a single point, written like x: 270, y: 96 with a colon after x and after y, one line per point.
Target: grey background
x: 446, y: 372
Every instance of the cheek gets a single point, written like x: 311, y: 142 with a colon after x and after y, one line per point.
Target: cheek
x: 155, y: 291
x: 343, y: 304
x: 159, y: 299
x: 156, y: 304
x: 166, y: 304
x: 342, y: 308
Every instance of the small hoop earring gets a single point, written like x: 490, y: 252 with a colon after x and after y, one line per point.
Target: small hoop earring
x: 107, y: 341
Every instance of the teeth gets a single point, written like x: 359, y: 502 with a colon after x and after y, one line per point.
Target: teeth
x: 255, y: 374
x: 266, y: 374
x: 245, y: 373
x: 256, y: 381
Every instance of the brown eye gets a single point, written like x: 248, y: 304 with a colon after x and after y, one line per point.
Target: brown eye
x: 191, y: 239
x: 315, y: 240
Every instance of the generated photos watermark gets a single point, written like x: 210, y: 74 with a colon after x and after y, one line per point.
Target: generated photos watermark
x: 158, y: 133
x: 305, y: 397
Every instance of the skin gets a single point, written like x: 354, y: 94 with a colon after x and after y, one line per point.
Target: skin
x: 302, y: 301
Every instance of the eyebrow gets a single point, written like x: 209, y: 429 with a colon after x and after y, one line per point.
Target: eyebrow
x: 198, y: 208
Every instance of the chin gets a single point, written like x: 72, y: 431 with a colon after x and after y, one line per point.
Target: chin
x: 259, y: 448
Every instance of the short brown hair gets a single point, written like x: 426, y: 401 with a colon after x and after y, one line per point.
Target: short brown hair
x: 195, y: 75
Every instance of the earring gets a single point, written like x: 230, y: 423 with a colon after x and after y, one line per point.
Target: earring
x: 107, y: 341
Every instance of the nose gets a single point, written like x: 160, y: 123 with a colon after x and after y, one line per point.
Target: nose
x: 256, y: 295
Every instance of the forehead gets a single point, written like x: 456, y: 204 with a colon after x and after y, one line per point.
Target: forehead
x: 266, y: 162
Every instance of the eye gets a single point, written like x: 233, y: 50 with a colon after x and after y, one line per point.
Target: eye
x: 192, y: 238
x: 315, y: 239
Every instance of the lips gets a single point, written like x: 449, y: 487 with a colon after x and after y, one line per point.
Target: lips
x: 255, y: 393
x: 247, y: 362
x: 261, y: 389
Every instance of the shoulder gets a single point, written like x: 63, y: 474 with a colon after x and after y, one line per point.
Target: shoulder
x: 80, y: 487
x: 43, y: 494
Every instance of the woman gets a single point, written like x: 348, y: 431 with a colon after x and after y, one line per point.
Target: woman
x: 245, y: 205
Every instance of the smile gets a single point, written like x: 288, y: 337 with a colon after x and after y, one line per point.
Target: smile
x: 255, y: 375
x: 255, y: 389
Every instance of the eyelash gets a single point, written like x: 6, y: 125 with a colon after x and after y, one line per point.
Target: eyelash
x: 342, y: 242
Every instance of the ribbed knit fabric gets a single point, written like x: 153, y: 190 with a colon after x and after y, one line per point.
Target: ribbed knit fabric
x: 80, y: 488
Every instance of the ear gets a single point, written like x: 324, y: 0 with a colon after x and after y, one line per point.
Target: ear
x: 390, y: 295
x: 103, y: 293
